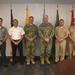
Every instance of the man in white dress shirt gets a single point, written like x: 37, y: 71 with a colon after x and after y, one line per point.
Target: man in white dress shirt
x: 16, y: 34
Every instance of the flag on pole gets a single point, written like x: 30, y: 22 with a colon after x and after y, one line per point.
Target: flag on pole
x: 11, y: 26
x: 26, y: 20
x: 11, y: 15
x: 27, y: 15
x: 72, y: 16
x: 43, y: 13
x: 53, y: 41
x: 57, y: 19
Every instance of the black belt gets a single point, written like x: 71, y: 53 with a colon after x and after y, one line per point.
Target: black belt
x: 16, y: 40
x: 1, y: 40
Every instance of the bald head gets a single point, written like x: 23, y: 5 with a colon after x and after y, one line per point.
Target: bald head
x: 46, y: 19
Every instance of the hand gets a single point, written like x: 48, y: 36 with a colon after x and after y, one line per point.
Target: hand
x: 73, y: 40
x: 59, y: 40
x: 1, y: 43
x: 62, y: 40
x: 31, y: 39
x: 16, y: 43
x: 47, y: 39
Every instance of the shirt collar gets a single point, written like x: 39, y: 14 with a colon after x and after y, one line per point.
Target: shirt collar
x: 16, y: 27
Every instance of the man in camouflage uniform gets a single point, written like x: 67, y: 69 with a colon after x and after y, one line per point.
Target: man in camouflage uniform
x: 3, y: 37
x: 31, y: 31
x: 71, y: 39
x: 46, y: 32
x: 61, y: 33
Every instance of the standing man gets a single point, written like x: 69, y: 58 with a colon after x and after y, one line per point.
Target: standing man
x: 3, y: 37
x: 16, y: 35
x: 61, y: 33
x: 46, y: 32
x: 31, y: 31
x: 71, y: 39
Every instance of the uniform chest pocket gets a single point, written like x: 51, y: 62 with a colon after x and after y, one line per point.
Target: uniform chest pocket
x: 57, y: 30
x: 2, y: 31
x: 19, y: 33
x: 27, y: 30
x: 64, y: 30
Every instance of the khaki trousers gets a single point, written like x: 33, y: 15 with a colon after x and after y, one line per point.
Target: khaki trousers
x: 71, y: 48
x: 60, y: 48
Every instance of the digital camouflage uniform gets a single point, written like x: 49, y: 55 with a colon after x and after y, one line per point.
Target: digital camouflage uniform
x: 45, y: 31
x: 71, y: 43
x: 30, y: 32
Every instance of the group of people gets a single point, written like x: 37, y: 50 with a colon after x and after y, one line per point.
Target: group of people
x: 46, y: 32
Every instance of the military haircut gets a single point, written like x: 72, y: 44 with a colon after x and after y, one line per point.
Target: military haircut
x: 61, y: 20
x: 15, y: 20
x: 1, y: 19
x: 46, y: 15
x: 31, y: 17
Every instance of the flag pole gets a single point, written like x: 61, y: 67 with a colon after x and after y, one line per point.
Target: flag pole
x: 10, y: 6
x: 73, y: 7
x: 72, y: 11
x: 44, y: 6
x: 43, y: 12
x: 57, y: 6
x: 11, y: 50
x: 27, y: 15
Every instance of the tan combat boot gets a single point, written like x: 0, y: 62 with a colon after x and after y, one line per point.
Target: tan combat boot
x: 32, y: 61
x: 28, y: 61
x: 42, y: 61
x: 47, y: 60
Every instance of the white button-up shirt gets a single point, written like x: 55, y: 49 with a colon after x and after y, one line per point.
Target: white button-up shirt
x: 16, y: 33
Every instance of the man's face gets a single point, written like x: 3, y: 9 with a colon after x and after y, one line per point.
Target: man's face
x: 15, y: 23
x: 31, y: 20
x: 1, y: 22
x: 62, y: 23
x: 45, y: 19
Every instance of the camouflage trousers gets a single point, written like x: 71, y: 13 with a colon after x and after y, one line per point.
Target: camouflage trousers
x: 45, y: 48
x: 30, y: 47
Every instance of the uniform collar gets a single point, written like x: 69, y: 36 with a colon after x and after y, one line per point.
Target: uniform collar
x: 15, y: 27
x: 30, y: 25
x: 61, y: 26
x: 46, y: 24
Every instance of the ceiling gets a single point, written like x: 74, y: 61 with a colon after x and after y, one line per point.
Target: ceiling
x: 37, y: 1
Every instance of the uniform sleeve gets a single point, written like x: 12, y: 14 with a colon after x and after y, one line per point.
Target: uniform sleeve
x: 25, y: 30
x: 52, y: 33
x: 40, y: 33
x: 67, y: 31
x: 35, y: 36
x: 55, y: 31
x: 6, y: 32
x: 22, y: 32
x: 9, y: 31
